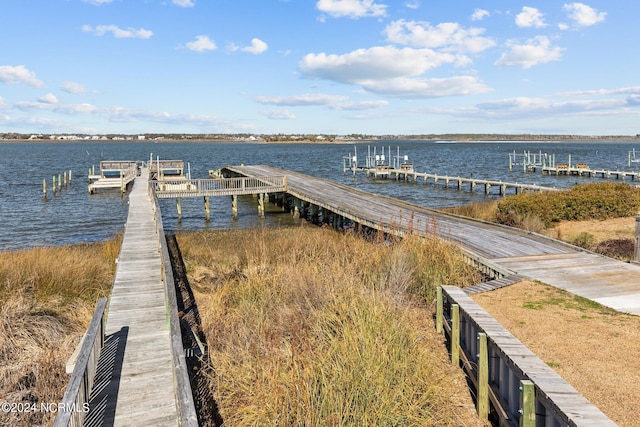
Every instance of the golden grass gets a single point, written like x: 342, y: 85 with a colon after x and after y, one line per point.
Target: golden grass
x: 311, y: 327
x: 47, y: 298
x: 592, y: 347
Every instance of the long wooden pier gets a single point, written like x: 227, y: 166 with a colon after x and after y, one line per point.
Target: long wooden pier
x: 140, y: 386
x: 146, y: 383
x: 612, y: 283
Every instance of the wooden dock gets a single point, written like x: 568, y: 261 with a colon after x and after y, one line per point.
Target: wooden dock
x: 612, y: 283
x: 140, y: 390
x: 113, y: 174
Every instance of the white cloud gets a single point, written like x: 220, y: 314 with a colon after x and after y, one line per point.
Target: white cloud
x: 360, y: 105
x: 119, y: 33
x: 69, y: 109
x: 479, y: 14
x: 351, y: 8
x: 536, y: 51
x: 19, y: 74
x: 48, y: 99
x: 183, y: 3
x: 73, y: 87
x: 530, y: 17
x: 415, y: 4
x: 376, y: 63
x: 201, y: 44
x: 391, y: 72
x: 307, y: 99
x: 257, y: 47
x: 448, y: 36
x: 2, y: 103
x: 279, y: 115
x: 413, y: 88
x: 584, y: 15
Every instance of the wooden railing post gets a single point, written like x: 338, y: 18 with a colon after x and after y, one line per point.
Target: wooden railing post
x: 527, y: 404
x: 636, y: 257
x: 483, y: 377
x: 455, y: 334
x: 439, y: 310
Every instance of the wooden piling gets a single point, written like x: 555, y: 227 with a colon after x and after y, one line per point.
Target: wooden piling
x: 439, y: 310
x: 483, y: 377
x: 59, y: 181
x: 53, y: 184
x: 207, y: 209
x: 234, y: 206
x: 179, y: 207
x: 44, y: 188
x: 455, y: 334
x: 527, y: 404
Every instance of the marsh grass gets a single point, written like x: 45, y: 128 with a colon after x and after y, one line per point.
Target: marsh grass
x: 47, y: 298
x: 312, y: 327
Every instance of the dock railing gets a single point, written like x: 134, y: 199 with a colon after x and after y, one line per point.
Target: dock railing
x: 184, y: 395
x: 169, y: 188
x: 513, y: 386
x: 75, y: 403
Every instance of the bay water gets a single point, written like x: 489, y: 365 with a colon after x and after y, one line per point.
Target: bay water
x: 72, y: 215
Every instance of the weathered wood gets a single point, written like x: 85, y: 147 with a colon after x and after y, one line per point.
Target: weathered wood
x: 76, y: 397
x: 483, y: 377
x: 527, y: 404
x: 513, y: 362
x: 145, y: 390
x: 455, y: 334
x: 609, y: 282
x: 439, y: 310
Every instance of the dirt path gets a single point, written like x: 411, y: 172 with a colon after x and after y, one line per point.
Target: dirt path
x: 594, y: 348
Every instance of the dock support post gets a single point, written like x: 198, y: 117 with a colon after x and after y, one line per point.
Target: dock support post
x: 261, y: 205
x: 122, y: 182
x: 53, y: 184
x: 179, y: 207
x: 296, y: 209
x: 483, y: 377
x: 234, y: 206
x: 439, y: 310
x: 59, y: 182
x: 455, y: 334
x: 636, y: 257
x: 527, y: 404
x: 44, y: 188
x: 207, y: 208
x: 69, y: 176
x: 487, y: 188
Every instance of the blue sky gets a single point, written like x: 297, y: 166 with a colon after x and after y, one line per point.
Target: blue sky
x: 319, y: 66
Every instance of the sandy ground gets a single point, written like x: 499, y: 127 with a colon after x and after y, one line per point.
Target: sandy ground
x: 594, y: 348
x: 615, y: 228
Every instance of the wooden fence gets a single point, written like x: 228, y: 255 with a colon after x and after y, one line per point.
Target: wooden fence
x: 75, y: 403
x: 513, y: 386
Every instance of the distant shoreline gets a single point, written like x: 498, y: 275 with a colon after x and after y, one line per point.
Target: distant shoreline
x: 463, y: 138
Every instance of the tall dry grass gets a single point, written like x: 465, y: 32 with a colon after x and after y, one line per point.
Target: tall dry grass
x: 312, y: 327
x: 47, y: 298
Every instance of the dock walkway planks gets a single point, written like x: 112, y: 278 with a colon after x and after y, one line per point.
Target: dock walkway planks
x: 141, y: 391
x: 609, y: 282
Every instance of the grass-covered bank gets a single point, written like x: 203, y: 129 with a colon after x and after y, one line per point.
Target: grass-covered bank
x: 47, y: 298
x: 308, y: 326
x: 597, y: 217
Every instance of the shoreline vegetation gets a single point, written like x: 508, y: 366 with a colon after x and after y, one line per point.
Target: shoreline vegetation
x: 310, y: 138
x: 47, y: 298
x: 335, y: 315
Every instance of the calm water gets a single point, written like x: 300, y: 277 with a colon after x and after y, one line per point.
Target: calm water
x: 74, y: 216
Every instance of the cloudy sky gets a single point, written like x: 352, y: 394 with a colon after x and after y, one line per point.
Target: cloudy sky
x: 319, y: 66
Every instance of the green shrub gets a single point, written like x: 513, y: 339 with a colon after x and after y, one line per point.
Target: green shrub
x: 589, y: 201
x: 584, y: 240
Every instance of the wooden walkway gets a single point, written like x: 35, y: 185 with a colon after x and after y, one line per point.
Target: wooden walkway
x: 139, y: 389
x: 612, y: 283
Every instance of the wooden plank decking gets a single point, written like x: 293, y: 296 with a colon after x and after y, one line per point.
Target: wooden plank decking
x: 609, y: 282
x: 140, y: 391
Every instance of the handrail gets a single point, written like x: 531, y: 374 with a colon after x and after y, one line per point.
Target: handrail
x: 510, y: 368
x: 184, y: 396
x: 75, y: 402
x: 180, y: 187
